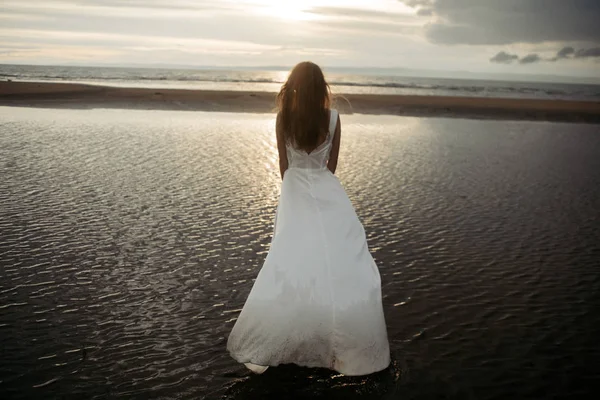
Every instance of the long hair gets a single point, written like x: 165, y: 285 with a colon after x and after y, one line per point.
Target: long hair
x: 303, y: 104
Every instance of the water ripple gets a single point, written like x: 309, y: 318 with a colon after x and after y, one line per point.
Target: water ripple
x: 129, y: 241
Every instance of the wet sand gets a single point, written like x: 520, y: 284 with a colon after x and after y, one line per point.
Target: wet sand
x: 80, y: 96
x: 130, y: 240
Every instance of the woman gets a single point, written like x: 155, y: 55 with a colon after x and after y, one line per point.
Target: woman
x: 317, y: 299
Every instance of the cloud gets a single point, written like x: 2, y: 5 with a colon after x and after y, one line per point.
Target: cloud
x: 497, y: 22
x: 565, y: 52
x: 212, y: 32
x: 569, y: 52
x: 530, y: 59
x: 366, y: 33
x: 119, y: 40
x: 588, y: 53
x: 357, y: 13
x: 419, y: 3
x: 113, y: 9
x: 504, y: 58
x: 366, y: 22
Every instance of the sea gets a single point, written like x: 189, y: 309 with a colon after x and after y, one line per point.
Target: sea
x: 130, y: 239
x: 270, y: 79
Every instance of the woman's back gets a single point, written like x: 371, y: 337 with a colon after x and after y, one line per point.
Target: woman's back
x: 318, y: 157
x: 316, y: 302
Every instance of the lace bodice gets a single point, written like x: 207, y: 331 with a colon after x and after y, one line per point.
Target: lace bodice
x: 316, y: 159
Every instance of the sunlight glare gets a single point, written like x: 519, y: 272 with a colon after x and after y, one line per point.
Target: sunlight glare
x: 281, y: 76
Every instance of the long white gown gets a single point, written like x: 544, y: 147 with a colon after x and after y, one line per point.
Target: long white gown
x: 317, y: 299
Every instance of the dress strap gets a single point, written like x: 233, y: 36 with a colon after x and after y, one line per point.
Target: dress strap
x: 333, y: 116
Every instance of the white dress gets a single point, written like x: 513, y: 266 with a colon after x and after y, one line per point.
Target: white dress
x: 316, y: 302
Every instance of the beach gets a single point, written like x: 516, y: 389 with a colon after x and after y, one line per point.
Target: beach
x: 130, y: 240
x: 83, y: 96
x: 143, y: 171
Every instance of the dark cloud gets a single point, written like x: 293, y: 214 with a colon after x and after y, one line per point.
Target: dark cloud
x: 565, y: 52
x: 419, y: 3
x: 569, y: 52
x: 504, y: 58
x: 530, y: 59
x: 588, y: 53
x: 424, y: 7
x: 425, y: 12
x: 497, y: 22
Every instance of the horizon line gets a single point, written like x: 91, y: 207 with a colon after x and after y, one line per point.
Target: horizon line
x: 589, y: 79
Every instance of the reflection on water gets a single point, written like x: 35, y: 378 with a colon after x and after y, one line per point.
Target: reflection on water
x: 129, y: 241
x: 289, y: 381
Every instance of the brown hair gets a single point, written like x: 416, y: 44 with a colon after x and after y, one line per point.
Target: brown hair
x: 303, y: 104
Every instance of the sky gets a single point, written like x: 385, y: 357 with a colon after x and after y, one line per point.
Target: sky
x: 560, y: 37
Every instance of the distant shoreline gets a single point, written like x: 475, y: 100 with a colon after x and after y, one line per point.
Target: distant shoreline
x: 376, y: 71
x: 80, y: 96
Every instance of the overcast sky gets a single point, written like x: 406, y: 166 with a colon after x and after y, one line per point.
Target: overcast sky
x: 519, y: 36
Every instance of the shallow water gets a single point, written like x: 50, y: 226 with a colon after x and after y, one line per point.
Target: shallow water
x: 130, y: 239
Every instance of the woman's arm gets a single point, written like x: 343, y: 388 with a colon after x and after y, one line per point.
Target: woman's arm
x: 335, y: 147
x: 283, y: 160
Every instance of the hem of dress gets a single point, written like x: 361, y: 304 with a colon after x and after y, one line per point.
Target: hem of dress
x: 274, y: 365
